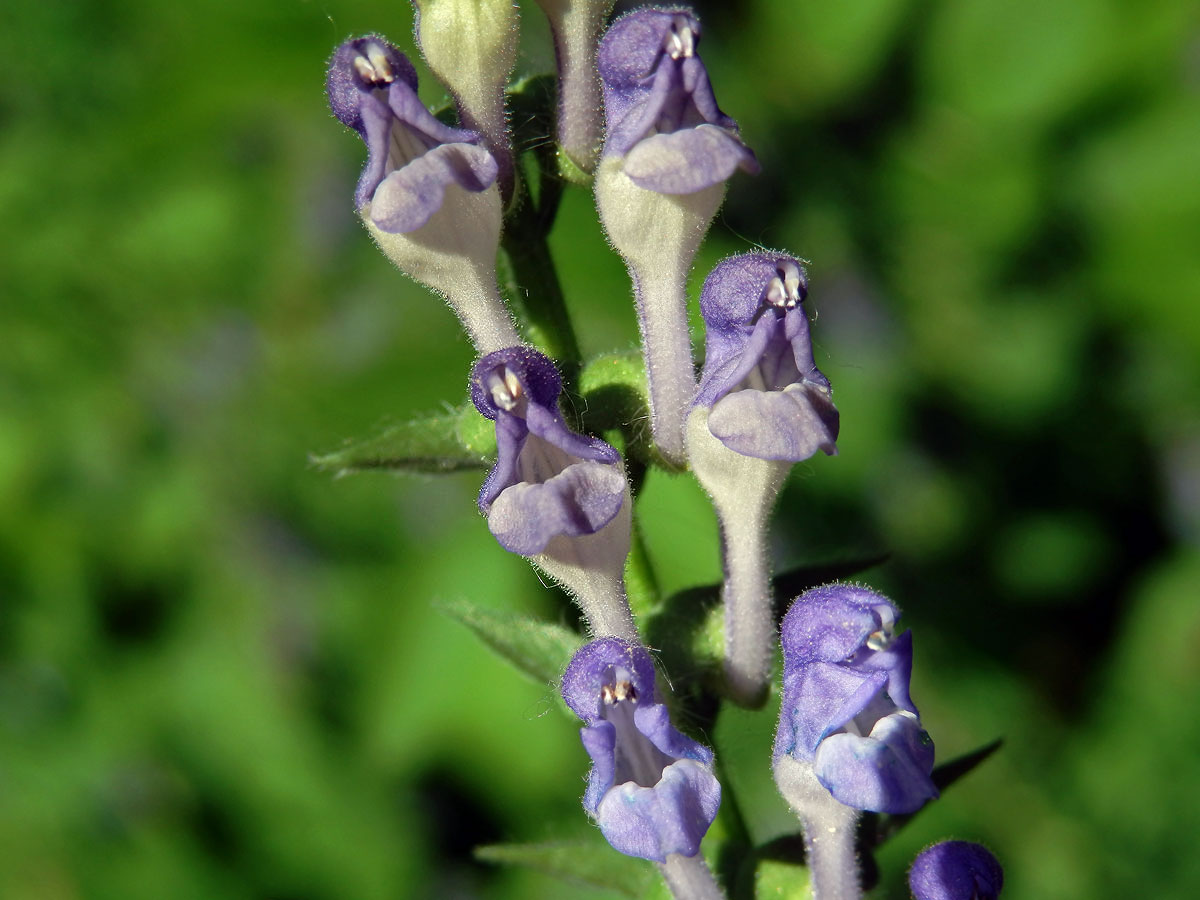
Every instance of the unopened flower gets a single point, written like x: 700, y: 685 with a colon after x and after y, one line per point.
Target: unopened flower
x: 470, y: 46
x: 765, y: 395
x: 662, y: 116
x: 651, y: 789
x: 846, y: 707
x: 956, y: 870
x: 576, y: 27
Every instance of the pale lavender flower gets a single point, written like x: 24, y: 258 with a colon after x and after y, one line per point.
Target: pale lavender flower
x: 846, y: 707
x: 411, y: 156
x: 651, y: 789
x: 548, y: 480
x: 956, y: 870
x: 767, y: 398
x: 660, y: 109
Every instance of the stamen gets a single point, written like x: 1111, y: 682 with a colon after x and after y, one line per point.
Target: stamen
x: 681, y: 40
x: 505, y: 387
x: 373, y: 67
x: 879, y: 640
x: 612, y: 694
x: 776, y: 294
x: 792, y: 282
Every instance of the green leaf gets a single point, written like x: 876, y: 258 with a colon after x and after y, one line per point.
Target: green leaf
x: 615, y: 396
x: 786, y: 881
x: 445, y: 442
x: 588, y: 862
x: 539, y: 649
x: 949, y: 772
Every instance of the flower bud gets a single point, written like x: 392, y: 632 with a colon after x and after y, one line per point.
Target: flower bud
x: 576, y: 27
x: 470, y: 46
x: 956, y: 870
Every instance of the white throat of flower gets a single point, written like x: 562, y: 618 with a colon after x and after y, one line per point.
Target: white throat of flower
x: 637, y: 759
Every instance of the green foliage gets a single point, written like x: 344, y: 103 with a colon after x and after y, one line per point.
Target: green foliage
x: 220, y: 670
x: 450, y: 442
x: 540, y: 650
x: 580, y: 862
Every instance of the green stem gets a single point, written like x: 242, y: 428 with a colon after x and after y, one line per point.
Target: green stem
x: 531, y: 283
x: 641, y: 584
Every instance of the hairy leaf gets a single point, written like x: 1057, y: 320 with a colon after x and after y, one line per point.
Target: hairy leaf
x: 588, y: 862
x: 539, y: 649
x: 444, y: 442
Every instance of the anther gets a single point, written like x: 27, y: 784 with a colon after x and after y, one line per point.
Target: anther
x: 506, y: 389
x: 373, y: 67
x: 681, y: 40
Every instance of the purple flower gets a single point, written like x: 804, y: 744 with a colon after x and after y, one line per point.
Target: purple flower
x: 956, y: 870
x: 846, y: 708
x: 767, y: 397
x: 411, y: 157
x: 547, y: 481
x: 651, y: 789
x: 660, y: 109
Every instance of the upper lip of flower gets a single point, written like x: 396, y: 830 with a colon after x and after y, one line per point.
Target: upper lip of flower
x: 660, y: 108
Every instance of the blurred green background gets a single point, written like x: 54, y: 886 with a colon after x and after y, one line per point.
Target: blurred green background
x: 221, y: 672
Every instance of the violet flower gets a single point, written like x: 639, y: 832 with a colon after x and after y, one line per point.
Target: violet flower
x: 661, y: 178
x: 428, y: 192
x: 555, y: 496
x: 661, y: 112
x: 411, y: 156
x: 761, y: 406
x: 651, y: 789
x: 956, y: 870
x: 846, y: 706
x: 766, y: 396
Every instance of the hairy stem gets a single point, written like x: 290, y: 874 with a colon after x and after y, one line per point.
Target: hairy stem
x: 689, y: 878
x: 531, y: 282
x: 749, y: 626
x: 829, y: 831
